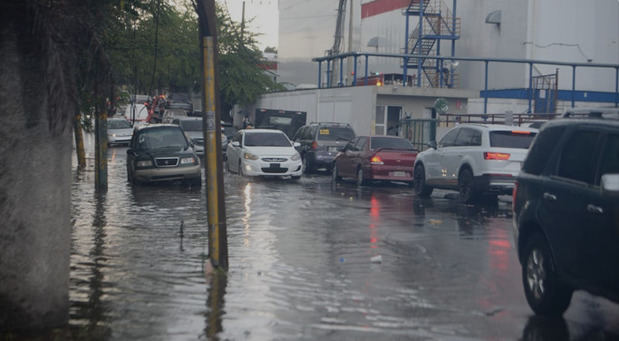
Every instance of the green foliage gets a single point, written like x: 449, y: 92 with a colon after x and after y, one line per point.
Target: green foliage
x: 128, y: 35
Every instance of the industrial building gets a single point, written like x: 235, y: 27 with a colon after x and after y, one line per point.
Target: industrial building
x: 571, y: 35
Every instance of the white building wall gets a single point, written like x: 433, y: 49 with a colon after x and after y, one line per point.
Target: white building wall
x: 353, y: 105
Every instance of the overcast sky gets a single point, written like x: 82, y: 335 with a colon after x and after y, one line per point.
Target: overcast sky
x: 265, y: 18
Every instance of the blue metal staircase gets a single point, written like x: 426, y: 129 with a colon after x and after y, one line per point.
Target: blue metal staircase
x: 436, y: 22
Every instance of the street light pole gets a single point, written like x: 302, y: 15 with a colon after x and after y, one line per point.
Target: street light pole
x: 211, y: 120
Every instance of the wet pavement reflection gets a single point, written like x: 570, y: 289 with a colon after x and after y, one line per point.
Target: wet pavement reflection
x: 308, y: 260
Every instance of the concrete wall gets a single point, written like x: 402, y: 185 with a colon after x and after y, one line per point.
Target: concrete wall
x: 500, y: 105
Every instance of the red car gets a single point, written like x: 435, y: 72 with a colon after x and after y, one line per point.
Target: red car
x: 368, y: 158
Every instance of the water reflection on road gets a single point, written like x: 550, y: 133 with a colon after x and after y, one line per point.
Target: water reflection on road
x: 308, y: 260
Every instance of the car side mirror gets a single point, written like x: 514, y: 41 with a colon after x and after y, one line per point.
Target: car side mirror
x: 236, y: 144
x: 296, y: 144
x: 433, y: 145
x: 610, y: 184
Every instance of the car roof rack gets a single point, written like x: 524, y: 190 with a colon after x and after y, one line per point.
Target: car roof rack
x: 331, y: 123
x: 599, y: 113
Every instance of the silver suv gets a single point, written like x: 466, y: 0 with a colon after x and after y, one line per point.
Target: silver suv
x: 474, y: 159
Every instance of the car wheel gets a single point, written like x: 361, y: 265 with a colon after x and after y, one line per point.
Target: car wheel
x: 545, y: 292
x: 421, y: 189
x: 335, y: 174
x: 360, y: 177
x: 468, y: 194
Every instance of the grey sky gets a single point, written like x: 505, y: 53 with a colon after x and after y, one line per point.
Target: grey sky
x: 265, y: 18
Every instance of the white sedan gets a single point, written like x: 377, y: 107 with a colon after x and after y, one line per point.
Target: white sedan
x: 263, y: 152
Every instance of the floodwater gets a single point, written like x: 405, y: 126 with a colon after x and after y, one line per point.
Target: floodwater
x: 308, y: 260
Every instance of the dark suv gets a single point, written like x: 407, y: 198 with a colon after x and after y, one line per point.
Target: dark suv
x: 566, y: 213
x: 320, y: 143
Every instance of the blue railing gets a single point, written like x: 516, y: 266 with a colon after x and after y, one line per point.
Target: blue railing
x: 405, y: 57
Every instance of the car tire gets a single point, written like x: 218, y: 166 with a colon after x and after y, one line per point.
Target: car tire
x: 421, y: 189
x: 546, y: 294
x: 466, y: 188
x: 335, y: 174
x: 361, y: 181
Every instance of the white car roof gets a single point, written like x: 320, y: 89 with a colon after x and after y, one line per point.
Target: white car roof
x: 494, y: 127
x: 262, y: 131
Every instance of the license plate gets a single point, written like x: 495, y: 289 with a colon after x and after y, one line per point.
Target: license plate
x: 398, y: 173
x: 274, y: 165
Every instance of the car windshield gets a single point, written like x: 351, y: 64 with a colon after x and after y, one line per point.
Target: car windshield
x: 266, y: 140
x: 511, y: 139
x: 191, y: 125
x: 335, y: 133
x: 164, y: 137
x: 118, y: 124
x: 390, y: 143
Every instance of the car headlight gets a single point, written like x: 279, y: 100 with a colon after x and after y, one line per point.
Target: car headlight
x: 295, y: 157
x: 113, y: 135
x: 144, y: 163
x: 188, y: 161
x: 250, y: 156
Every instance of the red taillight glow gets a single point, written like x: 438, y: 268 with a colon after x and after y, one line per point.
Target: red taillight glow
x: 376, y: 160
x: 314, y: 145
x: 521, y: 132
x: 514, y: 196
x: 496, y: 156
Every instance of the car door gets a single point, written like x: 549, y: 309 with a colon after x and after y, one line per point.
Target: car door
x: 436, y: 173
x: 358, y: 155
x: 344, y: 160
x: 233, y: 152
x: 564, y: 211
x: 602, y: 214
x: 452, y: 157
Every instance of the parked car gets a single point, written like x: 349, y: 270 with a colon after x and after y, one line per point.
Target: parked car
x: 193, y: 128
x: 566, y: 214
x: 162, y: 152
x: 136, y: 113
x: 170, y: 115
x: 119, y: 131
x: 368, y: 158
x: 263, y: 152
x: 320, y: 143
x: 475, y: 159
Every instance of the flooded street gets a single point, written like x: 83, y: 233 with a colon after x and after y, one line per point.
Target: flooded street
x: 307, y: 261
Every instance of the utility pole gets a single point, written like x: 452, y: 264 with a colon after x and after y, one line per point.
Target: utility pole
x: 349, y: 63
x: 211, y: 120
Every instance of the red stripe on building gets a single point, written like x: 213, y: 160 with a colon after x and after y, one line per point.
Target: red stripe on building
x: 377, y: 7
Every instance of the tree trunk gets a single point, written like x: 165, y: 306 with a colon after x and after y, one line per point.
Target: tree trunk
x: 36, y: 106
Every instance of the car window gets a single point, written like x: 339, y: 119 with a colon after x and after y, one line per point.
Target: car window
x: 577, y: 161
x: 390, y: 143
x: 310, y: 133
x: 351, y: 144
x: 361, y: 143
x: 299, y: 134
x: 511, y: 139
x: 118, y: 124
x: 542, y: 149
x: 191, y: 125
x: 468, y: 137
x: 450, y: 138
x: 610, y: 157
x: 264, y: 139
x: 335, y: 133
x: 164, y: 137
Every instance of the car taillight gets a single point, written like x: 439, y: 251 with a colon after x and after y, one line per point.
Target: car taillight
x: 496, y: 156
x: 314, y: 145
x: 376, y: 160
x: 514, y: 192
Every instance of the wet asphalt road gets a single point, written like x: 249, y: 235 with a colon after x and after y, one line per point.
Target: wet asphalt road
x: 303, y: 265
